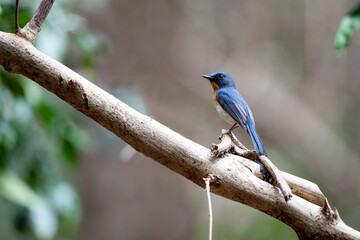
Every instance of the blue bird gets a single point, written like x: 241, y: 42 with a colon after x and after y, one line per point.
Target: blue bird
x: 232, y: 107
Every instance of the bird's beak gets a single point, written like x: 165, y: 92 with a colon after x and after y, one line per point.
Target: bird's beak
x: 207, y: 77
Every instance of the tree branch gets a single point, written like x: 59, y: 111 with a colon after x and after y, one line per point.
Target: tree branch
x: 230, y: 144
x: 17, y: 28
x: 33, y: 27
x: 233, y: 178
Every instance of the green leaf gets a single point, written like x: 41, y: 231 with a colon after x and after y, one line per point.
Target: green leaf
x: 47, y: 113
x: 349, y: 24
x: 15, y: 190
x: 67, y: 203
x: 42, y: 215
x: 13, y: 83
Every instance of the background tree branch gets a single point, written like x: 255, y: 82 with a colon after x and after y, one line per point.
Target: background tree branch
x: 234, y: 180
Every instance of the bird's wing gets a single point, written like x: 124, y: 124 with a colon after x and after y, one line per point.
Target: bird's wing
x: 233, y: 103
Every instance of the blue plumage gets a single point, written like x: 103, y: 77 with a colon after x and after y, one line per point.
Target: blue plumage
x: 233, y: 108
x: 258, y: 145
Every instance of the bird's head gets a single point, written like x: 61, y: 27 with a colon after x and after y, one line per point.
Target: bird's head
x: 219, y: 80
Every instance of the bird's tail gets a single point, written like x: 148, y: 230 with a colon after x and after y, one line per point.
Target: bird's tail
x: 258, y: 145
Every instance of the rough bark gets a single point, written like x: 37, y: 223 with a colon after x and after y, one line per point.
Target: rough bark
x: 233, y: 178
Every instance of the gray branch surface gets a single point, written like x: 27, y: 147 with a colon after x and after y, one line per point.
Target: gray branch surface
x: 233, y: 178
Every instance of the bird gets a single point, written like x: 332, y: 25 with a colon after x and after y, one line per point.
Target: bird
x: 233, y: 108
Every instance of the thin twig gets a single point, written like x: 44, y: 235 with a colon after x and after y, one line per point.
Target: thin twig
x: 33, y: 27
x: 279, y: 179
x: 17, y: 16
x: 207, y: 184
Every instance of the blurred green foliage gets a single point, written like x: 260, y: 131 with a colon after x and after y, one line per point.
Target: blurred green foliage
x: 349, y: 24
x: 39, y: 143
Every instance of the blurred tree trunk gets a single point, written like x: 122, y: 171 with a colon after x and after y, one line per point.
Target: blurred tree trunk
x: 233, y: 179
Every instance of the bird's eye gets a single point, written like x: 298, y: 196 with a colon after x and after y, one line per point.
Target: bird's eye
x: 221, y: 76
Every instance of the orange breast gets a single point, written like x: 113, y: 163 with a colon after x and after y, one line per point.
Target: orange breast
x: 214, y: 98
x: 215, y: 87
